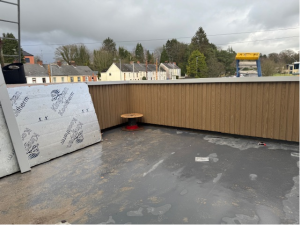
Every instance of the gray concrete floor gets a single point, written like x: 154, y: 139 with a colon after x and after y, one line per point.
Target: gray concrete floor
x: 151, y: 176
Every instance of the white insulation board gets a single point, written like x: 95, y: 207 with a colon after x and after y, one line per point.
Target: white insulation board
x: 53, y: 120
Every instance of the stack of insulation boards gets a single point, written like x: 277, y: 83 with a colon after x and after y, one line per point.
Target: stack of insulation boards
x: 53, y: 120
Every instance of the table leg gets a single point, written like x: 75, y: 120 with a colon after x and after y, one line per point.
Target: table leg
x: 132, y: 125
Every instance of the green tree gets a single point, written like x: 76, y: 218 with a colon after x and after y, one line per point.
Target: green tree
x: 150, y: 58
x: 200, y: 42
x: 144, y: 78
x: 11, y: 47
x: 227, y: 58
x: 164, y: 55
x: 82, y: 56
x: 139, y: 52
x: 215, y: 68
x: 102, y: 59
x: 196, y: 65
x: 109, y: 45
x: 123, y: 53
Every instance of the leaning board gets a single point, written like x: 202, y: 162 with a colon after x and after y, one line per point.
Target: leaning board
x: 53, y: 120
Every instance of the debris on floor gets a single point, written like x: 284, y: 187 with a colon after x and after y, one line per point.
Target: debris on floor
x: 295, y: 154
x: 262, y: 143
x: 202, y: 159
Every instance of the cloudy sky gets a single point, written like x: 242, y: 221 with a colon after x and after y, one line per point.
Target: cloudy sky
x: 46, y: 24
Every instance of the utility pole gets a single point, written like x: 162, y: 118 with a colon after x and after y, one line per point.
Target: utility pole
x: 197, y: 66
x: 133, y: 69
x: 146, y: 69
x: 156, y: 68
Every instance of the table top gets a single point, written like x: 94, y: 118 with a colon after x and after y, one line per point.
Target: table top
x: 132, y: 115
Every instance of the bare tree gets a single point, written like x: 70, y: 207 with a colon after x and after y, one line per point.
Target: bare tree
x: 268, y: 67
x: 78, y: 53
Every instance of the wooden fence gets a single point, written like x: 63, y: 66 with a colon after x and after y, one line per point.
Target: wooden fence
x: 258, y: 109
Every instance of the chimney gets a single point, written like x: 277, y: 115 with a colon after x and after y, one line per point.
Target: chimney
x: 131, y: 62
x: 59, y: 63
x: 40, y: 62
x: 72, y: 63
x: 138, y: 62
x: 174, y: 63
x: 166, y: 61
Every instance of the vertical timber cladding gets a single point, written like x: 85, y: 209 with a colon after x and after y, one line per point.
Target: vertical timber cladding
x: 259, y: 109
x: 110, y: 101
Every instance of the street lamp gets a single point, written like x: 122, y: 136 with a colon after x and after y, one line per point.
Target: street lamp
x: 197, y: 66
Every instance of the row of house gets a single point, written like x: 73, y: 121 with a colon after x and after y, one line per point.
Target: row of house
x: 140, y: 71
x: 58, y: 73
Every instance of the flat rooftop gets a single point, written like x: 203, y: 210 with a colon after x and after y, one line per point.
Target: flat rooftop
x: 151, y: 176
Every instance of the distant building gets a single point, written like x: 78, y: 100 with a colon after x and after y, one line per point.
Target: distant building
x: 172, y: 70
x: 292, y: 68
x: 29, y: 59
x: 36, y: 73
x: 41, y: 73
x: 71, y: 73
x: 133, y: 71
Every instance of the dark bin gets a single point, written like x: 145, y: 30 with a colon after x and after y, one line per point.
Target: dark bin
x: 14, y: 73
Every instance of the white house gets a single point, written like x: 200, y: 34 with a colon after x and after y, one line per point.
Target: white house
x: 36, y: 73
x: 172, y: 70
x: 133, y: 71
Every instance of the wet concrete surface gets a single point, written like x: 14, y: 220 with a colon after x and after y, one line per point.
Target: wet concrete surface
x: 151, y: 176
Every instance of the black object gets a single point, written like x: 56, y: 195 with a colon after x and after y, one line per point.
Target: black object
x: 14, y: 73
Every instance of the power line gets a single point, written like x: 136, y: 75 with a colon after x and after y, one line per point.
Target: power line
x: 257, y: 40
x: 163, y: 39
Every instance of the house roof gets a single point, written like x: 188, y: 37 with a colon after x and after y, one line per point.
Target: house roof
x: 66, y: 70
x: 26, y: 53
x: 84, y: 70
x: 170, y: 66
x: 137, y: 67
x: 35, y: 70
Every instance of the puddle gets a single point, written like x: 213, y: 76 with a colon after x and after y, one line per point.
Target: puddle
x: 241, y: 219
x: 159, y: 210
x: 136, y: 213
x: 109, y: 221
x: 291, y: 204
x: 243, y: 144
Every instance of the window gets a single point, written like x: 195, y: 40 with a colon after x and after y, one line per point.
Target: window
x: 72, y: 79
x: 62, y: 79
x: 291, y: 67
x: 92, y: 78
x: 27, y: 60
x: 78, y: 79
x: 109, y: 74
x: 34, y: 80
x: 44, y: 80
x: 86, y: 78
x: 54, y: 79
x: 296, y: 66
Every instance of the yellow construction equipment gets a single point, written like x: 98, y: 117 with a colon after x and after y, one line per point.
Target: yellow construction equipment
x: 247, y: 56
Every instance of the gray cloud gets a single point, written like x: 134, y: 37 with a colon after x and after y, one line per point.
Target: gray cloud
x: 88, y: 21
